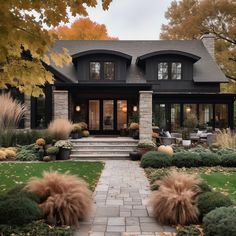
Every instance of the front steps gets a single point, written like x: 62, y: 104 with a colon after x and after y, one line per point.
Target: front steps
x: 96, y: 148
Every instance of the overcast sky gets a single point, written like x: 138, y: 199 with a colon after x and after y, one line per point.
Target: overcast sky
x: 132, y: 19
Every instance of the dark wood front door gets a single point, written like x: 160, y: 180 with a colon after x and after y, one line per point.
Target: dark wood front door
x: 107, y: 116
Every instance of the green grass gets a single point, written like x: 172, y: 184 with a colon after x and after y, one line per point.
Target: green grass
x: 222, y: 182
x: 12, y: 174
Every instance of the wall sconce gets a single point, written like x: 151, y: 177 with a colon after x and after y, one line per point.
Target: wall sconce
x: 135, y: 108
x: 77, y: 108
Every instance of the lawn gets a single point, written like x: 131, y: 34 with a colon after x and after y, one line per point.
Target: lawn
x: 219, y: 178
x: 12, y: 174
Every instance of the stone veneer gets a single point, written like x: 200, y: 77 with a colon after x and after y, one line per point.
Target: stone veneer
x: 60, y: 104
x: 145, y: 116
x: 209, y: 42
x: 27, y: 120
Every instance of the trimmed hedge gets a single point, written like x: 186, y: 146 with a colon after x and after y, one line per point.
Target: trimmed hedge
x: 220, y: 222
x: 18, y: 210
x: 208, y: 201
x: 186, y: 159
x: 228, y: 160
x: 209, y: 159
x: 205, y: 187
x: 155, y: 160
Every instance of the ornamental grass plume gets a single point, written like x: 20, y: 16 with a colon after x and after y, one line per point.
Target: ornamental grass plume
x: 60, y: 128
x: 66, y: 199
x: 174, y: 201
x: 11, y: 112
x: 226, y: 138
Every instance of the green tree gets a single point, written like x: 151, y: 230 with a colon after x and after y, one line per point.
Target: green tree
x: 22, y: 30
x: 189, y: 19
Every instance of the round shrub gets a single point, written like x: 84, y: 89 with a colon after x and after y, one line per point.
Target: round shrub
x: 40, y: 142
x: 10, y: 153
x: 205, y: 187
x: 189, y: 231
x: 168, y: 150
x: 220, y: 221
x: 209, y: 159
x: 208, y: 201
x: 186, y: 159
x: 155, y: 160
x: 19, y: 191
x: 228, y: 160
x: 85, y: 133
x: 2, y: 155
x: 19, y: 210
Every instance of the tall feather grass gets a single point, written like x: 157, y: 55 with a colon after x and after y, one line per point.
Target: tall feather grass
x: 174, y: 201
x: 66, y: 199
x: 60, y: 128
x: 226, y: 138
x: 11, y: 112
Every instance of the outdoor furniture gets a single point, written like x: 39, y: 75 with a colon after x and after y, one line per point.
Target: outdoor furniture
x: 167, y: 140
x: 178, y: 137
x: 211, y: 138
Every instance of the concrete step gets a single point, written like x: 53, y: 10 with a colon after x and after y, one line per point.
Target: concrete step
x: 103, y: 147
x: 100, y: 157
x: 101, y: 152
x: 123, y: 143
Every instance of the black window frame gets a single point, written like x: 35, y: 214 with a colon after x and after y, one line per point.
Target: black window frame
x: 102, y: 70
x: 169, y: 69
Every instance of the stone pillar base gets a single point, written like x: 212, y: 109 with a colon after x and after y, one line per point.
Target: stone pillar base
x: 27, y: 119
x: 60, y: 104
x: 145, y: 116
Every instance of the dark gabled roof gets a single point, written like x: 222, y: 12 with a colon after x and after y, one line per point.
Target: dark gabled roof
x: 102, y: 51
x: 205, y: 69
x: 142, y: 58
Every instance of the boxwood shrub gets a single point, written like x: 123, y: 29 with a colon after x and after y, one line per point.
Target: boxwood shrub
x: 18, y: 210
x: 209, y: 201
x: 155, y: 160
x: 220, y: 222
x: 228, y: 160
x: 205, y: 187
x: 186, y: 159
x: 209, y: 159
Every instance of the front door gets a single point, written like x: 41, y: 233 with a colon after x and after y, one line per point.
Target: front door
x: 107, y: 116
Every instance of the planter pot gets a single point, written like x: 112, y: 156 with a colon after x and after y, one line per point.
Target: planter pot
x: 136, y: 134
x: 131, y: 132
x: 142, y: 151
x: 80, y: 134
x: 53, y: 157
x: 64, y: 154
x: 74, y: 135
x: 135, y: 156
x: 186, y: 143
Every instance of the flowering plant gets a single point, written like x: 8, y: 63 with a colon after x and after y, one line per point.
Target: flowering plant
x: 64, y: 144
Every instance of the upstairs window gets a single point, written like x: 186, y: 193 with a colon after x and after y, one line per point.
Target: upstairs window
x: 109, y: 70
x: 163, y: 71
x: 169, y: 71
x: 102, y: 70
x: 95, y: 68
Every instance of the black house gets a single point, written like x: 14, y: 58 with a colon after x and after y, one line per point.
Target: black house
x: 108, y: 81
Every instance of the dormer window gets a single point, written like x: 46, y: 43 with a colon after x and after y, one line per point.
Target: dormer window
x: 169, y: 71
x: 102, y: 70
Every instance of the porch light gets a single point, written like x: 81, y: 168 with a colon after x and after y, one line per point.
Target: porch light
x: 135, y: 108
x: 77, y: 108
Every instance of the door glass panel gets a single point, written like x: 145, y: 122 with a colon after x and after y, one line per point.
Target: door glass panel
x: 159, y: 115
x: 221, y: 116
x: 94, y: 114
x: 108, y: 115
x: 121, y: 114
x: 205, y: 115
x: 175, y: 117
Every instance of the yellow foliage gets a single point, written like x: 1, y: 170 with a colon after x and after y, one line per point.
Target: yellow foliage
x: 2, y: 155
x: 40, y: 142
x: 10, y: 153
x: 168, y: 150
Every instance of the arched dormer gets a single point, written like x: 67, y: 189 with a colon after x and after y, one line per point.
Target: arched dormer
x: 101, y: 65
x: 167, y: 65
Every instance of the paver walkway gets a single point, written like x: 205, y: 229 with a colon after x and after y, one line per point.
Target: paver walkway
x: 121, y: 209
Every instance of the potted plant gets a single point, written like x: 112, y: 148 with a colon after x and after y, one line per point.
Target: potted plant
x: 144, y: 147
x: 190, y: 123
x: 133, y: 127
x: 76, y: 131
x: 65, y: 147
x: 52, y: 152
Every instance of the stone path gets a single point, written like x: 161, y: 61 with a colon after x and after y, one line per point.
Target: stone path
x: 121, y: 209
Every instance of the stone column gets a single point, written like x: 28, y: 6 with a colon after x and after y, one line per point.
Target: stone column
x: 60, y: 104
x: 27, y: 119
x: 145, y: 116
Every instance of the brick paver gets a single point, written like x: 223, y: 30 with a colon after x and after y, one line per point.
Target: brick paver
x: 120, y: 208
